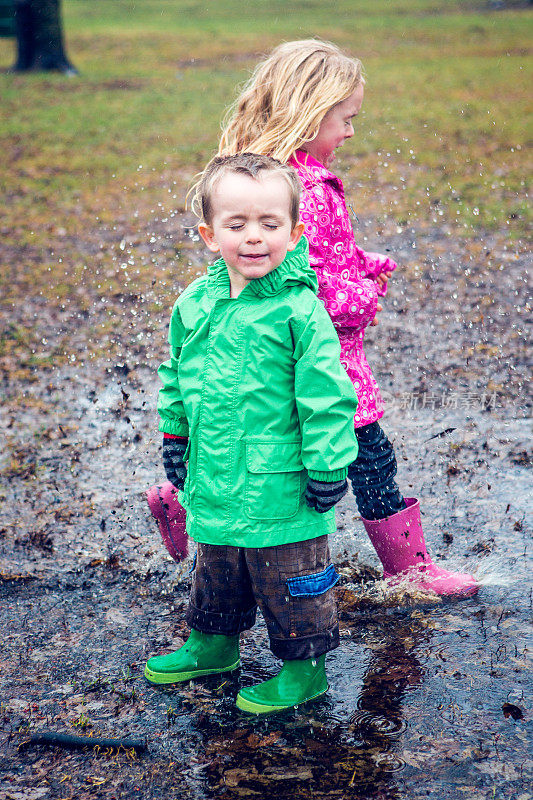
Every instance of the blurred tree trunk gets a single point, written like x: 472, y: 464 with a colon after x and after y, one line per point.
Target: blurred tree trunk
x: 40, y: 37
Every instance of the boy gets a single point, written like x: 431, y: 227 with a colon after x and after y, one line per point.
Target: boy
x: 257, y: 415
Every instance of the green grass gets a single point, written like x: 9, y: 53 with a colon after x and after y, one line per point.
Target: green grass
x: 443, y: 124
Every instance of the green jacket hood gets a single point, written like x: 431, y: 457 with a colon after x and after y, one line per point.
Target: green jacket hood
x: 293, y: 270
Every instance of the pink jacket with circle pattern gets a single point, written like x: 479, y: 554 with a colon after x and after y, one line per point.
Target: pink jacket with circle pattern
x: 345, y: 275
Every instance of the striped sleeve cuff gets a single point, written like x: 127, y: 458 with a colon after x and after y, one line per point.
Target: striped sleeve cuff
x: 329, y: 477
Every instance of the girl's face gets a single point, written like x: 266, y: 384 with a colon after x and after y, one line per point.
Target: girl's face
x: 251, y: 225
x: 335, y: 128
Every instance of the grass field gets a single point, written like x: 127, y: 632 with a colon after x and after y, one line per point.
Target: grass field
x: 444, y: 119
x: 88, y: 162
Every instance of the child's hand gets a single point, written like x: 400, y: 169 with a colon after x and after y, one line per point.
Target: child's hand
x: 379, y: 308
x: 175, y: 469
x: 382, y: 278
x: 322, y: 496
x: 376, y: 264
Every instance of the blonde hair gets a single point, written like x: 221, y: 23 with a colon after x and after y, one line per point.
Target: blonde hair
x: 287, y: 97
x: 251, y: 164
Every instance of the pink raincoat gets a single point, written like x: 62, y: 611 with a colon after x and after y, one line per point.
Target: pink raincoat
x: 345, y: 275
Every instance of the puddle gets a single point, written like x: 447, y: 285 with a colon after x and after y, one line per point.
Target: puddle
x: 427, y: 699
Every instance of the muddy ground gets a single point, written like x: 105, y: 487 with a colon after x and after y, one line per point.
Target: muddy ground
x: 428, y: 699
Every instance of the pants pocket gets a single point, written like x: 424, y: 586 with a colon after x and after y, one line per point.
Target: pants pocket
x: 312, y: 606
x: 313, y: 585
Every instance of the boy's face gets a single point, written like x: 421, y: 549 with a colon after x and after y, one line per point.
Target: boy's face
x: 251, y: 225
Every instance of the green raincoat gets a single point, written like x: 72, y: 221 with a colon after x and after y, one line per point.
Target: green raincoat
x: 256, y: 384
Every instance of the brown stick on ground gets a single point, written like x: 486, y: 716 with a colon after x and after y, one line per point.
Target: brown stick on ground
x: 53, y: 739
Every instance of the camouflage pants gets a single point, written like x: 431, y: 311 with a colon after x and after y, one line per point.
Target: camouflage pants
x: 291, y: 583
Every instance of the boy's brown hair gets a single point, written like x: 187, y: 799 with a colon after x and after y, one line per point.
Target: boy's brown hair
x: 250, y: 164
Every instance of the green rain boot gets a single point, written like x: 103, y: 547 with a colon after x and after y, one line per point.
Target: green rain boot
x: 296, y: 683
x: 202, y: 654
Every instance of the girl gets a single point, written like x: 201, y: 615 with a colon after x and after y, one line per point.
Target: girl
x: 298, y: 107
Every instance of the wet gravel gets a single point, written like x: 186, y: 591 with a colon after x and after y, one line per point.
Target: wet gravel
x: 427, y: 699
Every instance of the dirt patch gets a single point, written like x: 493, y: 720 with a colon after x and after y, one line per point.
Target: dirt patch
x: 88, y: 592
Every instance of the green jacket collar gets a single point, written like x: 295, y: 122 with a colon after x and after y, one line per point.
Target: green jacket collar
x: 293, y: 270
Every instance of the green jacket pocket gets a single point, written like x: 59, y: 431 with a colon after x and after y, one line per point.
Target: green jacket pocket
x: 274, y: 478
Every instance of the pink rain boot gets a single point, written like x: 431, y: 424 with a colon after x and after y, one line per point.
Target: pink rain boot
x: 170, y: 516
x: 399, y: 543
